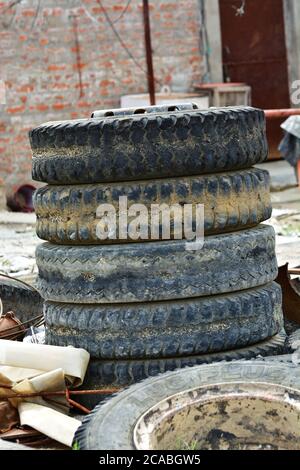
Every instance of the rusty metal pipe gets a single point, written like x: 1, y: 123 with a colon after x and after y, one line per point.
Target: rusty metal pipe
x: 281, y: 113
x: 295, y: 271
x: 148, y: 46
x: 110, y: 391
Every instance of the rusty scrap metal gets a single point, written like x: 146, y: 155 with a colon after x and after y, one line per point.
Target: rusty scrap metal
x: 20, y: 433
x: 65, y: 393
x: 9, y: 322
x: 102, y: 391
x: 30, y: 437
x: 281, y: 113
x: 75, y: 404
x: 20, y: 328
x: 291, y: 298
x: 295, y: 271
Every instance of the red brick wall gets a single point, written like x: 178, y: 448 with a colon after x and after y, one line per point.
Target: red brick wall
x: 39, y: 64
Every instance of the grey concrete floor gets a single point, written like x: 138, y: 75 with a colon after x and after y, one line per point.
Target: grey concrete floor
x: 283, y: 176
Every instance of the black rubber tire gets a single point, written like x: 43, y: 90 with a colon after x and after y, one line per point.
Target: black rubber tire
x: 141, y: 272
x: 106, y: 374
x: 23, y: 300
x: 148, y: 146
x: 232, y: 201
x: 167, y: 329
x: 110, y: 425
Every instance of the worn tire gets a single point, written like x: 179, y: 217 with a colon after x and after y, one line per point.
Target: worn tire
x: 232, y: 201
x: 141, y: 272
x: 167, y: 329
x: 110, y: 425
x: 16, y: 296
x: 106, y: 374
x: 148, y: 146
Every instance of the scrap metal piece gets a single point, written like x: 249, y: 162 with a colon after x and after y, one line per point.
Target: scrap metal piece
x: 162, y: 108
x: 291, y: 298
x: 11, y: 326
x: 9, y: 416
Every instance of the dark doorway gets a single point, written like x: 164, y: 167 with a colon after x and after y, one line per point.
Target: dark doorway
x: 254, y: 52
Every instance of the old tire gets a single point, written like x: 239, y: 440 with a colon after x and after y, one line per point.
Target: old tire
x: 167, y: 329
x: 20, y: 298
x: 128, y: 419
x: 232, y: 201
x: 141, y: 272
x: 110, y: 425
x: 122, y: 372
x: 148, y: 146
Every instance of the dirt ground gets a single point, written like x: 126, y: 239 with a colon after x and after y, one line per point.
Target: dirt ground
x: 17, y: 245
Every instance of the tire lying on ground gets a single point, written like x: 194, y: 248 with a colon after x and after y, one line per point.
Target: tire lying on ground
x: 167, y: 329
x: 140, y: 272
x: 147, y: 146
x: 226, y: 416
x: 111, y: 424
x: 20, y: 298
x: 232, y: 201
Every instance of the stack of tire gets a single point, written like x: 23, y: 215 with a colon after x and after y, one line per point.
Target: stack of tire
x: 144, y: 307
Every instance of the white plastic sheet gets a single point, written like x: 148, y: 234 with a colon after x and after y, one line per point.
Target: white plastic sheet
x: 27, y: 368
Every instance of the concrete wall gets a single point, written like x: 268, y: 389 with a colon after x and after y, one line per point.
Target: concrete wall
x: 39, y: 64
x: 292, y: 32
x: 213, y: 27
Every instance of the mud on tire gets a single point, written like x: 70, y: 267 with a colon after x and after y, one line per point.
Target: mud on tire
x: 232, y: 201
x: 167, y: 329
x: 148, y: 146
x: 141, y: 272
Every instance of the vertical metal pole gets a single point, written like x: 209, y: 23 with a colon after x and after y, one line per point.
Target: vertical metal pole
x: 150, y: 72
x: 78, y: 55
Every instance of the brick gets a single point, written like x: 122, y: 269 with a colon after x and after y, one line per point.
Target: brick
x: 16, y: 109
x: 59, y: 106
x: 42, y: 107
x: 44, y: 41
x: 56, y: 67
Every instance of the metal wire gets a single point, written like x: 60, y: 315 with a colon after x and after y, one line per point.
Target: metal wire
x: 10, y: 333
x: 36, y: 14
x: 123, y: 12
x: 115, y: 31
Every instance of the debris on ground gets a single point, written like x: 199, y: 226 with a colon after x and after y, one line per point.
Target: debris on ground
x: 33, y: 381
x: 17, y: 245
x: 10, y: 326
